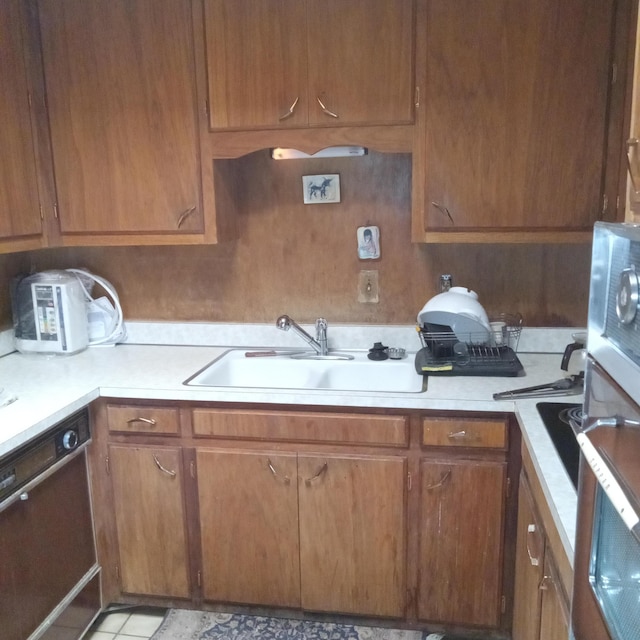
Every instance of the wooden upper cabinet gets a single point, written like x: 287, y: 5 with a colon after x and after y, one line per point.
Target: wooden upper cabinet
x: 121, y: 94
x: 20, y: 222
x: 514, y: 117
x: 275, y: 63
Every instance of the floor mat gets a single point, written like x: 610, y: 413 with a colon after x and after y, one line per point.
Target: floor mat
x: 181, y: 624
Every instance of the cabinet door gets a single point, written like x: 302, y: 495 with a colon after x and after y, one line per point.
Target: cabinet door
x: 461, y: 542
x: 360, y: 61
x: 150, y: 520
x: 515, y: 114
x: 19, y: 202
x: 530, y: 552
x: 554, y: 616
x: 120, y: 89
x: 249, y: 526
x: 352, y: 534
x: 256, y: 63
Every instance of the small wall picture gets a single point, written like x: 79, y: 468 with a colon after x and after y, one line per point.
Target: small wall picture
x: 368, y: 243
x: 321, y: 189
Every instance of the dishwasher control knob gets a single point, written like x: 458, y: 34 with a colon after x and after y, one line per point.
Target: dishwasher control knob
x: 70, y: 440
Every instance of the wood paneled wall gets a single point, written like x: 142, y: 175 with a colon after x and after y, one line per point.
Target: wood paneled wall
x: 302, y: 259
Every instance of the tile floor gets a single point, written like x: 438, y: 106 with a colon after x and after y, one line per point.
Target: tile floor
x: 126, y: 624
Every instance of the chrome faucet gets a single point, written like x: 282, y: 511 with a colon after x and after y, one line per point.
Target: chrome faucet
x: 319, y: 344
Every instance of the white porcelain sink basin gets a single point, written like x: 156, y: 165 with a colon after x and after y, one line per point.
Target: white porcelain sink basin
x: 234, y: 369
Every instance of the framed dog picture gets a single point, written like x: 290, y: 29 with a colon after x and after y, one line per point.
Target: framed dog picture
x: 321, y: 189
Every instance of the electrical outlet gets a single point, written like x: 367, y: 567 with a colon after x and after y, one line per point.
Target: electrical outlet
x: 368, y: 287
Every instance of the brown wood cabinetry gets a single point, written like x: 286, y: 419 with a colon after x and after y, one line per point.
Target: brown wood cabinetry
x: 463, y: 503
x: 121, y: 92
x: 541, y: 608
x: 367, y: 513
x: 150, y: 519
x: 21, y: 99
x: 301, y: 63
x: 520, y: 124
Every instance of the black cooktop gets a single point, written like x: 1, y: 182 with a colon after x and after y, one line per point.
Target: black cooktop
x: 555, y: 416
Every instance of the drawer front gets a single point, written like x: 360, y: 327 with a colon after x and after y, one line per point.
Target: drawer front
x: 302, y: 427
x: 447, y: 432
x: 142, y: 419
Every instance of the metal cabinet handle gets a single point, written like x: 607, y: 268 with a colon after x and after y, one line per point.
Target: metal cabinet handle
x: 163, y: 469
x: 532, y: 559
x: 285, y: 479
x: 443, y: 209
x: 292, y: 108
x: 443, y: 480
x: 185, y: 214
x: 545, y: 583
x: 458, y: 435
x: 318, y: 475
x: 325, y: 110
x: 149, y: 421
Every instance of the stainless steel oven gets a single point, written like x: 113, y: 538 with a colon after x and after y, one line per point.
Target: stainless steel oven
x: 606, y: 590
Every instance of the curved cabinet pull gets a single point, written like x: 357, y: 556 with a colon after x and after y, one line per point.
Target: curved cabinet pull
x: 535, y: 561
x: 325, y: 110
x: 283, y: 479
x: 163, y: 469
x: 292, y: 108
x: 632, y: 165
x: 443, y: 210
x: 149, y: 421
x: 323, y: 469
x: 443, y: 480
x: 457, y: 435
x: 185, y: 214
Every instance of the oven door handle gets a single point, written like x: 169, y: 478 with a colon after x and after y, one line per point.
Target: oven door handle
x: 610, y: 485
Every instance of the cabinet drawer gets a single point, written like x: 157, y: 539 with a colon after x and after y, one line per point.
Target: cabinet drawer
x: 445, y: 432
x: 141, y: 419
x: 302, y: 427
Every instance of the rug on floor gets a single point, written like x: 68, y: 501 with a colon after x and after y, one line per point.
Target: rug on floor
x: 182, y: 624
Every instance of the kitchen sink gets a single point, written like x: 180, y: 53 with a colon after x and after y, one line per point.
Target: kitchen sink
x: 234, y: 369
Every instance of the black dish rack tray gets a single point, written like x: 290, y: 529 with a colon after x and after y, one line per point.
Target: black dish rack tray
x: 445, y: 353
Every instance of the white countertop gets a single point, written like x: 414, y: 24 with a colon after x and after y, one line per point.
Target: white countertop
x: 49, y: 388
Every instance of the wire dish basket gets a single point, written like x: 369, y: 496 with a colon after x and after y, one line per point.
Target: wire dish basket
x: 493, y: 352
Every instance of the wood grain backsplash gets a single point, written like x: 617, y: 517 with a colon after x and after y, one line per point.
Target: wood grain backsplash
x: 302, y: 259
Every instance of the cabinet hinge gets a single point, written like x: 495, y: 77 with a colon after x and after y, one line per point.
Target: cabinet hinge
x: 409, y: 481
x: 206, y: 108
x: 417, y: 97
x: 503, y: 604
x: 107, y: 466
x: 199, y: 578
x: 508, y: 487
x: 614, y: 73
x: 617, y: 202
x: 192, y: 469
x: 41, y: 213
x: 117, y: 572
x: 605, y: 203
x: 55, y: 210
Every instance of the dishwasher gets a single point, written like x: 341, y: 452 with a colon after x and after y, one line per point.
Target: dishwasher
x: 49, y: 576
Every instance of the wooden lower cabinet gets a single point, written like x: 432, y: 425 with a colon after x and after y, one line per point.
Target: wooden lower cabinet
x: 149, y: 513
x: 461, y: 532
x: 352, y: 534
x: 249, y: 526
x: 541, y: 610
x: 296, y: 530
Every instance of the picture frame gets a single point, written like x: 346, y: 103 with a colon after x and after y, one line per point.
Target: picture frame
x: 321, y: 189
x: 368, y: 242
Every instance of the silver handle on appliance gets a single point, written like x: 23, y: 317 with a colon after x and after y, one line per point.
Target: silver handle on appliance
x: 609, y: 484
x: 163, y: 469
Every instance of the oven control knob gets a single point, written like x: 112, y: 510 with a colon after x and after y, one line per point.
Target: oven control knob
x: 627, y: 296
x: 70, y: 440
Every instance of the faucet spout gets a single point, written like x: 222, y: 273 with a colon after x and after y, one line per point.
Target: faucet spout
x: 319, y: 344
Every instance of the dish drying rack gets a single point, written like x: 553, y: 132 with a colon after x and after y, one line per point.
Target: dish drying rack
x: 483, y: 353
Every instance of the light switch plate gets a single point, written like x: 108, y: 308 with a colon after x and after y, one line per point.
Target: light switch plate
x: 368, y: 291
